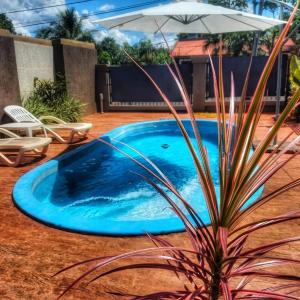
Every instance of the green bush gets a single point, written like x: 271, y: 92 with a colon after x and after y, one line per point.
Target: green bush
x: 69, y: 109
x: 34, y: 105
x: 295, y: 72
x: 295, y: 80
x: 51, y: 98
x: 50, y: 91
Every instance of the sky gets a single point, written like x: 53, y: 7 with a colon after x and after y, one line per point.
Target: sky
x: 21, y: 19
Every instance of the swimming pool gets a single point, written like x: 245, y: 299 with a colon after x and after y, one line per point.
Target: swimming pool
x: 91, y: 189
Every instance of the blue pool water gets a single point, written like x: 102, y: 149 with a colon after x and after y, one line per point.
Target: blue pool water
x: 92, y: 190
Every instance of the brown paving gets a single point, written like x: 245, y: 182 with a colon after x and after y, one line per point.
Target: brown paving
x: 30, y: 252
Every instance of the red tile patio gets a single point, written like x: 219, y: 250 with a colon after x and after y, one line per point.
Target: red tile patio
x: 30, y: 252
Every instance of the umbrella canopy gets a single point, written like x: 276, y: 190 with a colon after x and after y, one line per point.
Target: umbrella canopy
x: 189, y: 17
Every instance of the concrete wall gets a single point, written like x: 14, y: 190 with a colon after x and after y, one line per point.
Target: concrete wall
x: 9, y: 85
x: 22, y: 59
x: 199, y: 83
x: 77, y: 60
x: 34, y: 60
x: 102, y: 92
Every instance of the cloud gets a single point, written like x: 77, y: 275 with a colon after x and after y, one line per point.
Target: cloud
x: 87, y: 22
x: 21, y: 19
x: 118, y: 35
x: 106, y: 7
x: 159, y: 41
x: 99, y: 34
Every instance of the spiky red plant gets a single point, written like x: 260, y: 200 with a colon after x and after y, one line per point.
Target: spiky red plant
x: 218, y: 254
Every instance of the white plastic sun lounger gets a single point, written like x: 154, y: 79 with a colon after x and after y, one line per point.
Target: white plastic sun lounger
x: 20, y: 114
x: 18, y: 146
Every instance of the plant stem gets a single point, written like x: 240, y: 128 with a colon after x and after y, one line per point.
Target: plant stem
x: 216, y: 277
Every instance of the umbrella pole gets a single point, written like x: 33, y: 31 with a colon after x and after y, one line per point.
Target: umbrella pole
x: 255, y: 43
x: 256, y: 33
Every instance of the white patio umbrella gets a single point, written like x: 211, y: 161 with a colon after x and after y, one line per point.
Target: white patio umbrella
x: 189, y: 16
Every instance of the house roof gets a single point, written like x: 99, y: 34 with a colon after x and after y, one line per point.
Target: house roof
x: 190, y: 48
x: 288, y: 45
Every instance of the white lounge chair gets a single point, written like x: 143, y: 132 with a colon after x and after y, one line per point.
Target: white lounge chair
x: 20, y: 114
x: 18, y: 146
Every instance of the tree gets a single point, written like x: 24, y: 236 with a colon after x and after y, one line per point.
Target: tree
x: 150, y: 54
x: 67, y: 25
x: 188, y: 36
x: 6, y: 23
x: 270, y: 6
x: 239, y: 43
x: 234, y: 4
x: 109, y: 51
x: 236, y: 43
x: 126, y: 50
x: 268, y: 39
x: 295, y: 29
x: 46, y: 32
x: 145, y: 51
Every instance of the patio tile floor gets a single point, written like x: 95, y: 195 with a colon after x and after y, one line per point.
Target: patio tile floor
x: 30, y: 252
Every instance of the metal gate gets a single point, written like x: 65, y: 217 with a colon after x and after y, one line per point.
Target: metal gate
x: 130, y: 87
x: 238, y: 66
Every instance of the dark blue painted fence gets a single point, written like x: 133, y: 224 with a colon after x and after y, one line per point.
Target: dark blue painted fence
x: 239, y: 67
x: 129, y: 84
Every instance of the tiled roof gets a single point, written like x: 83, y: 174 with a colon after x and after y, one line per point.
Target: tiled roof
x: 191, y: 48
x: 289, y: 44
